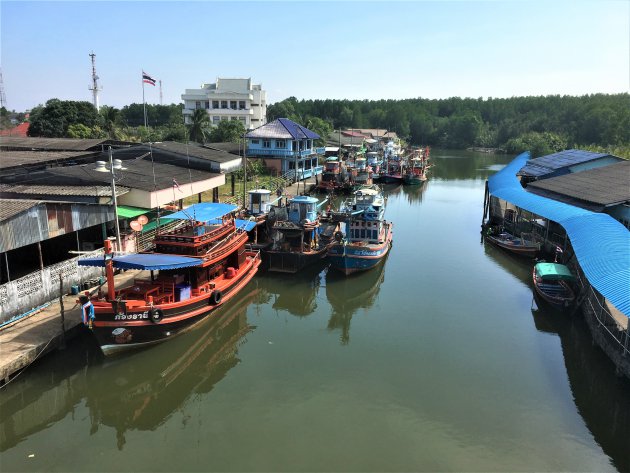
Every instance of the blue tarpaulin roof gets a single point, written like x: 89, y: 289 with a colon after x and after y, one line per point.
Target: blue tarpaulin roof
x: 205, y: 212
x: 145, y: 261
x: 601, y: 243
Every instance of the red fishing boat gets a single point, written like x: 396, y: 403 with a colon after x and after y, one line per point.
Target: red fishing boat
x: 194, y: 269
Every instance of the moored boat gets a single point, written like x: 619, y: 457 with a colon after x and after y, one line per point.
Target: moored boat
x: 523, y: 246
x: 200, y: 266
x: 335, y: 177
x: 367, y: 238
x: 552, y: 282
x: 299, y: 237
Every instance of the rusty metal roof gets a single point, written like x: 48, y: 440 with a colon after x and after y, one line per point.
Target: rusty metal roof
x: 52, y: 190
x: 207, y: 152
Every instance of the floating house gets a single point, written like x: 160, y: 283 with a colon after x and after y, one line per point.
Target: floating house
x: 286, y: 148
x: 585, y: 214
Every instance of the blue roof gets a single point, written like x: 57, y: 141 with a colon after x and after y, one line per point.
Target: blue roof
x: 282, y: 128
x: 601, y: 243
x: 204, y: 212
x: 551, y: 162
x: 145, y: 261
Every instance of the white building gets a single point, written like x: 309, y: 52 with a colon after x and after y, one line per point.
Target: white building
x: 228, y: 99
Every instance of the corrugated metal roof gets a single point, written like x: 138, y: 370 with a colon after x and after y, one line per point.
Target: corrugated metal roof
x: 197, y: 151
x: 601, y: 243
x: 23, y: 158
x: 605, y: 186
x: 67, y: 144
x: 282, y: 128
x: 562, y: 159
x: 89, y: 191
x: 11, y: 207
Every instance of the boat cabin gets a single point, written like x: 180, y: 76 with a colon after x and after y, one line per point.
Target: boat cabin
x: 259, y: 201
x: 303, y: 208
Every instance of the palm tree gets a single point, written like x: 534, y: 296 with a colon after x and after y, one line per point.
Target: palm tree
x: 111, y: 122
x: 198, y: 126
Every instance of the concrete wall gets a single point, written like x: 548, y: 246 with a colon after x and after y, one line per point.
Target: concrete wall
x: 29, y: 292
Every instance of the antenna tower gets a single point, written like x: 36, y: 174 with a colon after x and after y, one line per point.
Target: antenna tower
x: 94, y: 87
x: 160, y: 91
x: 3, y: 98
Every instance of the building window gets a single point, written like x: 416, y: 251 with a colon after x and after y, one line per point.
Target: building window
x: 215, y: 104
x: 224, y: 118
x: 281, y: 144
x: 266, y: 143
x: 241, y: 105
x: 197, y: 105
x: 255, y: 142
x: 207, y: 105
x: 233, y: 104
x: 243, y: 119
x: 224, y: 104
x: 216, y: 120
x: 234, y: 118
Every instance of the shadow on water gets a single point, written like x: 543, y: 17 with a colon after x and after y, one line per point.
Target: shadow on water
x: 137, y: 391
x: 601, y: 397
x: 347, y: 294
x: 295, y: 293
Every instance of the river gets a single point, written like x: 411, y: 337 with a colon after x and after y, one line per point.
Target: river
x: 435, y: 361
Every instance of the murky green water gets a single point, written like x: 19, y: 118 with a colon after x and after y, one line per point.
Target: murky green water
x: 432, y: 362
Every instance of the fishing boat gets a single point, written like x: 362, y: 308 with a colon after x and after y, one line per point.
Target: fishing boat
x: 299, y: 237
x: 523, y: 246
x: 393, y: 168
x: 415, y: 173
x: 335, y: 176
x: 367, y: 237
x: 258, y: 206
x: 552, y: 283
x: 363, y: 175
x: 194, y: 269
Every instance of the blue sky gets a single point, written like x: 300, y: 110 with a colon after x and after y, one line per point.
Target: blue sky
x: 315, y: 50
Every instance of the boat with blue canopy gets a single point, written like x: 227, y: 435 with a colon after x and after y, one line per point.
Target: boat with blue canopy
x: 194, y: 268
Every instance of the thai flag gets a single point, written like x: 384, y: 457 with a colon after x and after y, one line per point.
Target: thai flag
x: 148, y: 79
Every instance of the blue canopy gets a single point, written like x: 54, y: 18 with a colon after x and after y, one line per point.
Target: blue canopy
x: 601, y: 243
x: 145, y: 261
x: 204, y: 212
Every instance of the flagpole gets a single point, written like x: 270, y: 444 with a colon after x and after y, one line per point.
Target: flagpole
x: 144, y: 104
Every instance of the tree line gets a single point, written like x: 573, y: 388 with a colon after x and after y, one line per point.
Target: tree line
x: 541, y: 124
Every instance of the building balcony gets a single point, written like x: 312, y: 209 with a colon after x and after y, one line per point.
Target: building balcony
x: 278, y: 153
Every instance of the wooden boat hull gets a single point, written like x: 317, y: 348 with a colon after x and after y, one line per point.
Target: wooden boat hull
x: 130, y: 325
x: 292, y: 261
x: 556, y: 294
x: 515, y: 246
x: 413, y: 180
x: 351, y: 258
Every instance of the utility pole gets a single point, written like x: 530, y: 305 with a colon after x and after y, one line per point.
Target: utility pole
x: 94, y: 87
x: 160, y: 91
x: 3, y: 98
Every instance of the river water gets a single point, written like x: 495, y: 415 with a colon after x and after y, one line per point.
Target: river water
x: 435, y: 361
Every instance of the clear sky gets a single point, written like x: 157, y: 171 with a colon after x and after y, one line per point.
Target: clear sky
x: 315, y: 50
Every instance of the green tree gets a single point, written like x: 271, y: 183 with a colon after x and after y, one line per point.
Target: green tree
x: 56, y: 116
x: 227, y: 131
x: 110, y: 119
x: 200, y: 122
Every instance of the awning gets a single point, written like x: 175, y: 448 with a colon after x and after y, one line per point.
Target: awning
x: 125, y: 211
x: 145, y: 261
x: 204, y: 212
x: 554, y: 272
x: 246, y: 225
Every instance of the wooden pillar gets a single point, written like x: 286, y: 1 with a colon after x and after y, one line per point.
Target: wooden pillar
x: 6, y: 260
x: 199, y: 197
x: 215, y: 194
x: 233, y: 183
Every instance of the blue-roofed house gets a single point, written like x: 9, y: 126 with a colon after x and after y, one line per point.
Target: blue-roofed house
x: 564, y: 162
x: 285, y: 146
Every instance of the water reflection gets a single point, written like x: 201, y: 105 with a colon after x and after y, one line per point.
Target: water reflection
x: 347, y: 294
x: 414, y: 194
x: 141, y: 393
x: 295, y: 293
x: 600, y: 396
x: 455, y: 165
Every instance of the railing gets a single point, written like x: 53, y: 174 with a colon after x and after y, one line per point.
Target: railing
x: 278, y: 152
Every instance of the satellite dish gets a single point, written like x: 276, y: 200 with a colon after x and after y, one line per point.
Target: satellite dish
x: 135, y: 225
x: 143, y: 220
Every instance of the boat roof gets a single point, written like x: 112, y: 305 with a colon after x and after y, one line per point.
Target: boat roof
x: 601, y: 243
x: 332, y: 158
x: 367, y: 191
x: 304, y: 199
x: 259, y: 191
x: 145, y: 261
x: 204, y: 212
x: 553, y: 271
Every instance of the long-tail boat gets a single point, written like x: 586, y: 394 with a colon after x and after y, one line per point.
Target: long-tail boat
x: 194, y: 269
x: 552, y: 282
